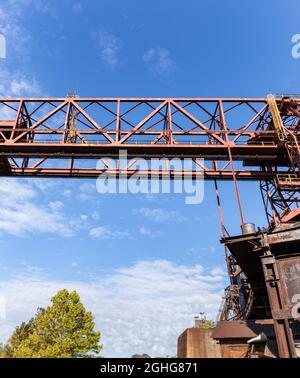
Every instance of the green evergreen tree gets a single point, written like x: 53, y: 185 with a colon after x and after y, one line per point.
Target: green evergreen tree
x: 19, y: 335
x: 63, y: 330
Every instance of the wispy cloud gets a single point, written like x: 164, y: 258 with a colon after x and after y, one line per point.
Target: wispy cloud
x: 159, y: 61
x: 140, y: 308
x: 23, y: 214
x: 16, y: 84
x: 20, y: 215
x: 199, y: 250
x: 16, y: 76
x: 47, y: 7
x: 87, y: 191
x: 109, y: 47
x: 11, y: 27
x: 29, y: 207
x: 160, y: 215
x: 145, y: 231
x: 56, y: 205
x: 12, y: 24
x: 104, y: 232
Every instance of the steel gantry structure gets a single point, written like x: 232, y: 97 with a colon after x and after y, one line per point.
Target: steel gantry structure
x: 73, y: 128
x: 238, y: 138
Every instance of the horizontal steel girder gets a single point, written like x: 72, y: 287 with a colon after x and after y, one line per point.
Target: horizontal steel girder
x: 35, y: 132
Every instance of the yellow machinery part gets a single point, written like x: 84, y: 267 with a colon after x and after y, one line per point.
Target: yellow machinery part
x: 277, y: 121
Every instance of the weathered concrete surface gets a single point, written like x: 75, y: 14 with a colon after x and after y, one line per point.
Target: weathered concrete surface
x: 197, y: 343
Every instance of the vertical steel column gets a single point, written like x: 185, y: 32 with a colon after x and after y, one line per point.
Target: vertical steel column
x: 280, y: 313
x: 118, y: 121
x: 236, y: 187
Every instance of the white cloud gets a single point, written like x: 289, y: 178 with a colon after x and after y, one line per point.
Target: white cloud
x: 17, y: 37
x: 24, y: 86
x: 42, y: 184
x: 12, y: 24
x: 160, y: 215
x: 21, y: 214
x: 56, y: 205
x: 159, y: 61
x: 109, y: 46
x: 95, y: 215
x: 86, y: 191
x: 198, y: 251
x: 148, y: 232
x: 45, y: 7
x: 16, y: 77
x: 30, y: 207
x: 150, y: 197
x: 14, y: 84
x: 67, y: 193
x: 138, y: 309
x: 104, y: 232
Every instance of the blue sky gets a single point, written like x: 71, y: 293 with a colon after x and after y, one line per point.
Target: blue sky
x: 144, y: 264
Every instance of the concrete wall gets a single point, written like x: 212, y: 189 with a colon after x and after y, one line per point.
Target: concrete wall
x: 197, y: 343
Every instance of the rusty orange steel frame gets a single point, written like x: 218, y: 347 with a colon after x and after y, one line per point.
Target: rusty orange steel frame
x: 51, y: 136
x: 64, y: 137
